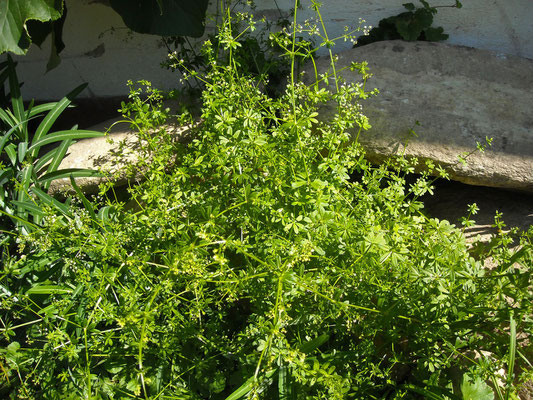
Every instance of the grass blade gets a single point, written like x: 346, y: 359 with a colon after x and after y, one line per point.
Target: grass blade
x: 56, y: 159
x: 66, y: 173
x: 64, y: 135
x: 11, y: 153
x: 6, y: 137
x: 16, y: 98
x: 22, y: 194
x: 49, y: 289
x: 33, y: 208
x: 21, y: 152
x: 49, y: 200
x: 512, y: 357
x: 8, y: 119
x: 246, y: 387
x: 43, y: 160
x: 54, y: 113
x: 86, y: 203
x: 41, y: 108
x: 284, y: 386
x: 311, y: 345
x: 435, y: 393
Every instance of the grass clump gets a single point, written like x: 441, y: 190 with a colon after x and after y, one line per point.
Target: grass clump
x: 257, y: 266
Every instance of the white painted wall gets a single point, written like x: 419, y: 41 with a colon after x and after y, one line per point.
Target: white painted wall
x: 101, y: 51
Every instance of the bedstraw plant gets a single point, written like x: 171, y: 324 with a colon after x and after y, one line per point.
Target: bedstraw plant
x: 267, y: 260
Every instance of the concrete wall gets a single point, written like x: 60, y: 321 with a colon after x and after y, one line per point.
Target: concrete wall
x: 101, y: 51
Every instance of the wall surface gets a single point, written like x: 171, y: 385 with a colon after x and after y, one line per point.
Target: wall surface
x: 101, y: 51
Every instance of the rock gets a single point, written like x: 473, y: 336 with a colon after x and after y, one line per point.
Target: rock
x: 451, y: 200
x: 460, y: 96
x: 104, y: 154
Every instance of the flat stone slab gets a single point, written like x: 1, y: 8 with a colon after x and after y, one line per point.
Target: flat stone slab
x: 460, y: 96
x: 104, y: 154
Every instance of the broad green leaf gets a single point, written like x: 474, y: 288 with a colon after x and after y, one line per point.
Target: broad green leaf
x: 435, y: 34
x: 13, y: 17
x: 477, y: 390
x: 64, y: 135
x: 163, y: 17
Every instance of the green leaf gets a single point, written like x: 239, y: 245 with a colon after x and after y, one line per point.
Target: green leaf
x: 431, y: 392
x: 67, y: 173
x: 247, y: 386
x: 313, y: 344
x: 16, y: 97
x: 477, y: 390
x: 11, y: 153
x: 435, y: 34
x: 49, y: 200
x: 53, y: 114
x: 21, y: 151
x: 284, y: 386
x: 58, y: 156
x: 86, y: 203
x: 33, y: 209
x: 409, y: 6
x: 163, y: 17
x: 13, y: 17
x: 49, y: 289
x: 512, y: 356
x: 23, y: 192
x: 64, y: 135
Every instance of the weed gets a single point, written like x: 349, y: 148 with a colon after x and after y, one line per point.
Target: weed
x: 255, y: 267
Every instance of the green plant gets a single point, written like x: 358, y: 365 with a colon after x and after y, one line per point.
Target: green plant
x: 414, y: 24
x: 258, y: 51
x: 256, y: 265
x: 25, y: 172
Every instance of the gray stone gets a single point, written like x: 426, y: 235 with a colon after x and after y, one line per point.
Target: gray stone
x: 460, y: 96
x: 107, y: 155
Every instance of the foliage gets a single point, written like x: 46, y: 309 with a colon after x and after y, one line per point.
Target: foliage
x: 263, y: 257
x: 414, y: 24
x: 24, y: 171
x: 13, y: 17
x: 258, y: 51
